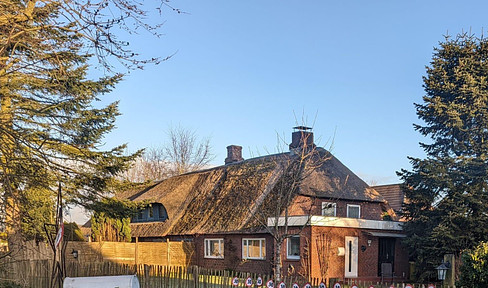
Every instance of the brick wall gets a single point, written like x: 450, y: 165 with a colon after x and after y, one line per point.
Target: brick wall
x: 303, y: 204
x: 367, y: 259
x: 233, y: 254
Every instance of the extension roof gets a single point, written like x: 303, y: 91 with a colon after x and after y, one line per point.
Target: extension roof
x: 393, y: 193
x: 225, y: 198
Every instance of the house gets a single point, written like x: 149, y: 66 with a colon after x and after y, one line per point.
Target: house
x: 340, y: 227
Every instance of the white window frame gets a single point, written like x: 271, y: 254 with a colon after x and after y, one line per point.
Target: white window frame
x: 262, y: 248
x: 288, y: 248
x: 359, y: 210
x: 207, y: 245
x: 334, y: 205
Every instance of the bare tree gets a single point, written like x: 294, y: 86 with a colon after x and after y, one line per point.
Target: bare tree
x: 150, y: 166
x: 289, y: 172
x: 303, y: 161
x: 185, y: 152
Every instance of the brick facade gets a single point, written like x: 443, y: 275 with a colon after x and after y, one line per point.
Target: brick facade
x: 302, y: 205
x: 233, y: 253
x: 318, y: 254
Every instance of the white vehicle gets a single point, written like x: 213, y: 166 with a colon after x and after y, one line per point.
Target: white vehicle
x: 123, y: 281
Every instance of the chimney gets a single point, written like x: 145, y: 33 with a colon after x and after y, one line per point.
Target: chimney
x: 301, y: 137
x: 234, y: 154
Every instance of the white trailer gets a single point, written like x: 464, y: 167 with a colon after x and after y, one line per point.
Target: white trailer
x: 123, y: 281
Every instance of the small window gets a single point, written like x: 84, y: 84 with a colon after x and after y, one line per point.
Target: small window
x: 293, y: 247
x: 353, y: 211
x: 254, y: 248
x: 214, y: 248
x: 328, y: 209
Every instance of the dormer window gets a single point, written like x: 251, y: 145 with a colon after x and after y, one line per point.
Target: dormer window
x: 152, y: 212
x: 140, y: 215
x: 353, y: 211
x: 329, y: 209
x: 162, y: 215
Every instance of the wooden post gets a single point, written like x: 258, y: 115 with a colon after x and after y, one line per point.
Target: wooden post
x: 168, y: 253
x: 136, y: 252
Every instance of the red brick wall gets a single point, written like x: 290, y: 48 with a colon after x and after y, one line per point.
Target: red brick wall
x: 367, y: 260
x: 303, y: 204
x: 233, y: 254
x: 309, y: 262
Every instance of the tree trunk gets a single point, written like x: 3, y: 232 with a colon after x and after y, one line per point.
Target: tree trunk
x: 277, y: 262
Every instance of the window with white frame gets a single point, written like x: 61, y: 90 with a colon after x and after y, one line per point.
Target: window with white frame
x: 328, y: 209
x: 353, y: 211
x: 214, y: 248
x: 293, y: 247
x: 254, y: 248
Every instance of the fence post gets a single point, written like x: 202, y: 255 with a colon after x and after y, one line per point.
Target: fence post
x: 136, y: 251
x: 168, y: 256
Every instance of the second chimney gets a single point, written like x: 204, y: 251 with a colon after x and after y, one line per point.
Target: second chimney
x: 234, y: 154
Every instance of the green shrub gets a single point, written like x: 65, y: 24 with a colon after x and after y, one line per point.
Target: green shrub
x: 474, y: 270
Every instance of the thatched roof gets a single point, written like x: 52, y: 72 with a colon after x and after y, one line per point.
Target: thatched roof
x: 225, y: 198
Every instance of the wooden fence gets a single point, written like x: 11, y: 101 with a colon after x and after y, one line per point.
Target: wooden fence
x: 152, y: 253
x: 37, y: 273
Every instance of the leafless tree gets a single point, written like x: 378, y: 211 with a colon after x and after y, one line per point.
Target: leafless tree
x: 151, y: 166
x: 183, y: 152
x: 290, y: 170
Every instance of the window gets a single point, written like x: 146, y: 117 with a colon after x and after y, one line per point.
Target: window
x: 162, y: 212
x: 353, y: 211
x: 254, y: 248
x: 151, y: 212
x: 214, y: 248
x: 328, y: 209
x: 293, y: 247
x: 140, y: 215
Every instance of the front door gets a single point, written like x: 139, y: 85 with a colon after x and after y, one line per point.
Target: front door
x: 351, y: 269
x: 386, y: 257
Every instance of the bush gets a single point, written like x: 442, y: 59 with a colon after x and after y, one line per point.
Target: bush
x: 474, y: 270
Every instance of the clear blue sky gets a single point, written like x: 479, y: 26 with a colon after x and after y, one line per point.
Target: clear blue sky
x: 244, y: 68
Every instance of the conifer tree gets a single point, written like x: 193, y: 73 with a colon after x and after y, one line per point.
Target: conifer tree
x: 51, y: 125
x: 447, y: 192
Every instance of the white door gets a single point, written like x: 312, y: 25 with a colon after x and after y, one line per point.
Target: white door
x: 351, y: 269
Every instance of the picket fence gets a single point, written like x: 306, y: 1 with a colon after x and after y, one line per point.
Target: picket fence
x: 37, y: 274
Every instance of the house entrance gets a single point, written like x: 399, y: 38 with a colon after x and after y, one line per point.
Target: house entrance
x: 351, y: 269
x: 386, y: 257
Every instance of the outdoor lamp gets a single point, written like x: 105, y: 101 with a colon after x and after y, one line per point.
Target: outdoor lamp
x: 442, y: 270
x: 74, y: 253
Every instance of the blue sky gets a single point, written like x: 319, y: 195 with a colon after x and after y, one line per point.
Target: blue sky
x: 244, y: 69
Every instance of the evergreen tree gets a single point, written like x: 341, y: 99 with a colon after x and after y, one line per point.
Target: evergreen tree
x: 447, y: 192
x: 51, y: 125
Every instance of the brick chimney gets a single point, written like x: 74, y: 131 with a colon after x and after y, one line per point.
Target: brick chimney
x: 234, y: 154
x: 301, y: 137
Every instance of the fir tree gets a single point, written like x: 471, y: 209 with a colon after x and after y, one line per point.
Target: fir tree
x: 447, y: 192
x: 51, y: 126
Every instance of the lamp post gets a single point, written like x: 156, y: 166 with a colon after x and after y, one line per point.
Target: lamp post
x: 442, y: 270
